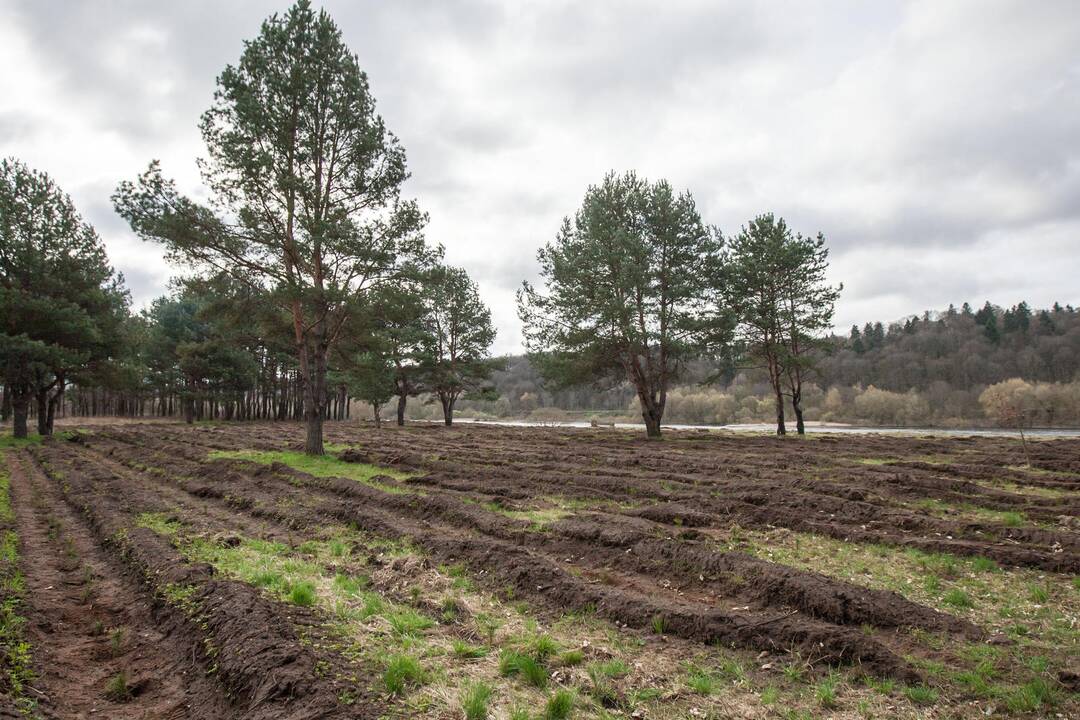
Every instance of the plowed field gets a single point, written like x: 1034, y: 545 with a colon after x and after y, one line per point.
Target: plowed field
x: 213, y: 571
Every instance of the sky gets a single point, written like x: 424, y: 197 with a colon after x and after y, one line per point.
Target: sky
x: 935, y: 144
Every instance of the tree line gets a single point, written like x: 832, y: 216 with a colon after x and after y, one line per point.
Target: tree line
x: 926, y: 369
x: 312, y: 281
x: 309, y: 280
x: 637, y: 288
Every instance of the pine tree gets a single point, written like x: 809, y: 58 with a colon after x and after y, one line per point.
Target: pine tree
x: 628, y: 292
x: 62, y: 306
x: 311, y: 182
x: 461, y: 333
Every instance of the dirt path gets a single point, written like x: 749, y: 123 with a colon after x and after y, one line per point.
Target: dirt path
x: 89, y: 623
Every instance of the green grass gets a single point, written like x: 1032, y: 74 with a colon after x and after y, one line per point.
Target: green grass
x: 614, y: 668
x: 1034, y: 695
x: 323, y: 466
x: 921, y: 694
x: 408, y: 621
x: 571, y: 658
x: 475, y: 700
x: 700, y: 682
x: 957, y: 598
x: 513, y: 663
x: 560, y: 705
x: 403, y: 671
x: 543, y: 647
x: 7, y: 442
x: 303, y: 594
x: 465, y: 651
x: 825, y: 691
x: 16, y: 661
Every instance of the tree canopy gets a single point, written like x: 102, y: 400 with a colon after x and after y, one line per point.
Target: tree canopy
x: 62, y: 306
x: 306, y: 183
x: 628, y: 291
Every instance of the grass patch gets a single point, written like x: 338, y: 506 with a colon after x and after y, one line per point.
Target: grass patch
x: 614, y: 668
x: 465, y: 651
x: 538, y: 519
x: 1034, y: 695
x: 16, y: 661
x: 513, y: 663
x: 700, y: 682
x: 408, y: 621
x: 302, y: 594
x: 560, y: 705
x: 324, y: 466
x: 958, y: 599
x: 921, y: 694
x: 475, y: 700
x: 825, y: 691
x: 403, y: 671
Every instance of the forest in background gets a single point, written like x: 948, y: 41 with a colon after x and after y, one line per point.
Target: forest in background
x: 930, y: 370
x: 308, y: 285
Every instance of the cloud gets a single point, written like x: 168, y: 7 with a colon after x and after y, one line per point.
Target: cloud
x: 937, y: 145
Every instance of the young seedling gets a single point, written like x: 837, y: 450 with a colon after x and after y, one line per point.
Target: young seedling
x: 117, y: 689
x: 116, y: 641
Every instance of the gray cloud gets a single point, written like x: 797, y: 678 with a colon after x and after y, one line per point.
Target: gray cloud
x: 937, y: 145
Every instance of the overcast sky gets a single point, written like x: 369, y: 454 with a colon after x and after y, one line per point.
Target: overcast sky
x: 936, y: 144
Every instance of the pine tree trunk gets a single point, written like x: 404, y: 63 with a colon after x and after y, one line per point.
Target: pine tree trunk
x: 314, y: 397
x: 447, y: 409
x: 651, y: 414
x: 378, y: 417
x: 796, y: 404
x: 54, y: 402
x: 781, y: 429
x: 20, y: 407
x: 42, y: 411
x: 402, y: 399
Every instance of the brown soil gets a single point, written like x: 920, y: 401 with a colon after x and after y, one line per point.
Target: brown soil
x: 637, y: 539
x: 89, y: 623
